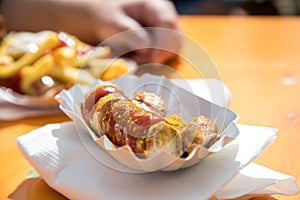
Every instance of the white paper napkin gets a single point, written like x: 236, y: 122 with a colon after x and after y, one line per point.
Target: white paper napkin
x: 58, y: 154
x: 201, y: 87
x: 259, y: 180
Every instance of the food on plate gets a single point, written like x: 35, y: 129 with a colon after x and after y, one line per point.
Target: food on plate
x: 107, y: 110
x: 200, y: 131
x: 150, y: 99
x: 34, y: 63
x: 141, y: 123
x: 164, y: 134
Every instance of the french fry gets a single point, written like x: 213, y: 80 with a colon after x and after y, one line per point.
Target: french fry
x: 117, y: 68
x: 29, y: 57
x: 71, y: 75
x: 32, y: 73
x: 63, y: 56
x: 99, y: 53
x: 4, y: 43
x: 5, y: 60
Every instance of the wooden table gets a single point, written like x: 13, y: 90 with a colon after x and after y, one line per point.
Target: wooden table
x: 259, y: 60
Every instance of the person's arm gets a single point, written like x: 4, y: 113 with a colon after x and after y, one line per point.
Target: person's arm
x: 94, y: 21
x: 57, y: 15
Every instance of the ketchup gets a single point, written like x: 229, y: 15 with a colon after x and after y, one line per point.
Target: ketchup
x: 12, y: 83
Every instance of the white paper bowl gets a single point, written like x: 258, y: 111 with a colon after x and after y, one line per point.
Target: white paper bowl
x: 177, y: 100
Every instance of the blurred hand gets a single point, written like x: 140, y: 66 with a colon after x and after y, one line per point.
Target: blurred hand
x: 95, y: 21
x: 131, y: 16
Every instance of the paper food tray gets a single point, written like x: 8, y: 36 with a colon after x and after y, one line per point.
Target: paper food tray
x: 177, y: 100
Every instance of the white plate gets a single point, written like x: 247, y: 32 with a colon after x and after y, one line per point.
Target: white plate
x: 46, y: 100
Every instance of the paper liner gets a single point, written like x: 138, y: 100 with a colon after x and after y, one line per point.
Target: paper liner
x: 177, y: 100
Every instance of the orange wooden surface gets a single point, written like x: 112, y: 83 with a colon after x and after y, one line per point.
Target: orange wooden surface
x: 258, y: 58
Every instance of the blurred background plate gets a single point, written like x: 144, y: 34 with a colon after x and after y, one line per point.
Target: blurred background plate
x: 46, y: 100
